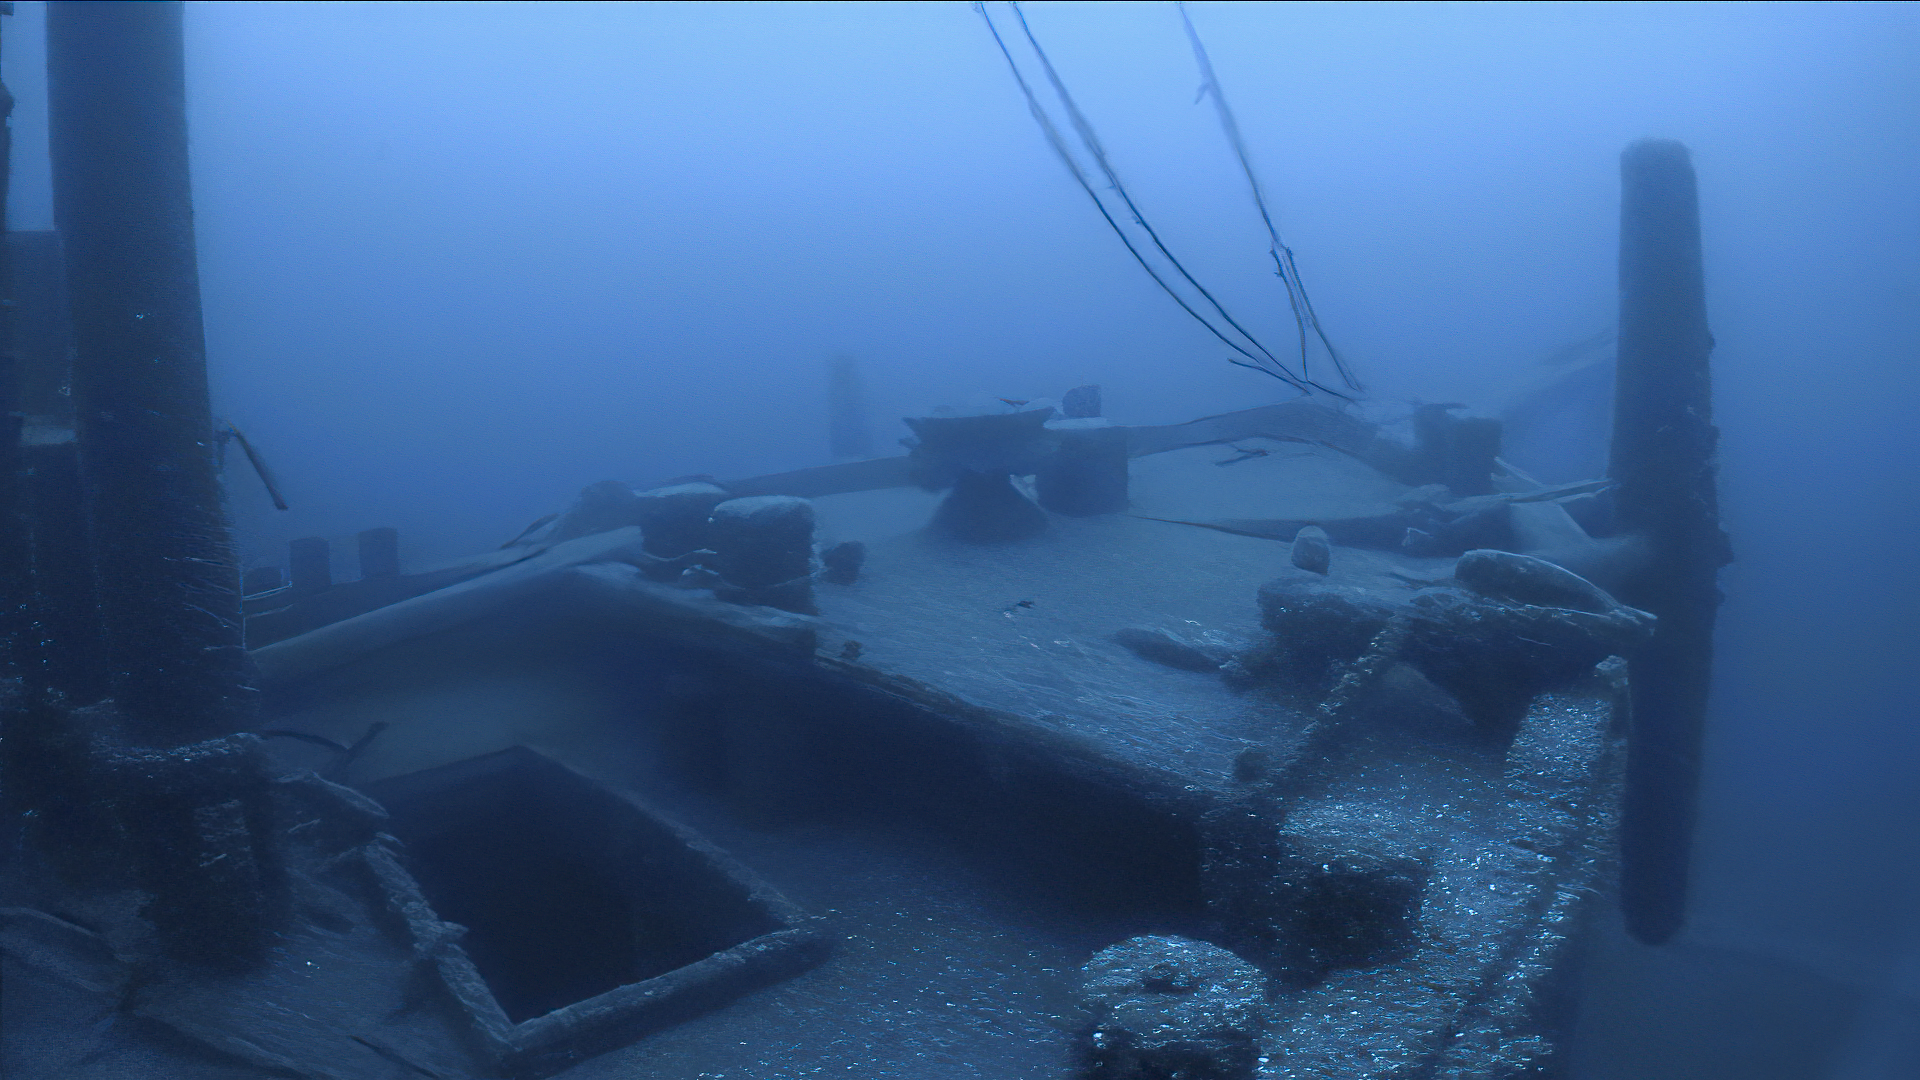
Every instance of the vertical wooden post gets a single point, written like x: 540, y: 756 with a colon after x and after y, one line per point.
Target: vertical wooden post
x: 849, y: 435
x: 61, y: 650
x: 18, y: 732
x: 189, y: 820
x: 1662, y: 466
x: 168, y: 590
x: 48, y: 627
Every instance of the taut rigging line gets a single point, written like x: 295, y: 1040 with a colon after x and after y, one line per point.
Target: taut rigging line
x: 1303, y: 314
x: 1252, y: 353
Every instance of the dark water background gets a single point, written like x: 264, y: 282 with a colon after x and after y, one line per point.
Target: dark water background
x: 461, y: 259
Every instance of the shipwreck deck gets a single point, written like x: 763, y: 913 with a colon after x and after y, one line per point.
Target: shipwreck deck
x: 977, y: 696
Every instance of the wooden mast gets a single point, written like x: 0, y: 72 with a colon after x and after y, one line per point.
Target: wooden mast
x: 1663, y: 467
x: 169, y: 596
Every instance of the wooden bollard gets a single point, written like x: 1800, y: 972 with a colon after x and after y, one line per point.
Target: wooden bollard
x: 763, y: 549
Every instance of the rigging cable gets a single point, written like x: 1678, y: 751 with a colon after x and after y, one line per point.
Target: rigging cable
x: 1263, y: 360
x: 1303, y: 313
x: 1059, y: 144
x: 1084, y: 128
x: 228, y: 431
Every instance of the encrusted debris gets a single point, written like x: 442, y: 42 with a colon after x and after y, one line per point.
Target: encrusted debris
x: 1312, y: 550
x: 1168, y: 1007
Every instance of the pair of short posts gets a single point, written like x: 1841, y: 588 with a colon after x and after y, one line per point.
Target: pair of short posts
x: 310, y: 563
x: 755, y: 550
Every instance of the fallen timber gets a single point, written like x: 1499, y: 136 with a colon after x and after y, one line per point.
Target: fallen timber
x: 1434, y: 870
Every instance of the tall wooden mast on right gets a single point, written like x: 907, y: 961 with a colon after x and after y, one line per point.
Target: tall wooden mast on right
x: 1663, y: 467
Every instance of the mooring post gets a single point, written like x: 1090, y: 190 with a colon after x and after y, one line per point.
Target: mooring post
x: 1662, y: 465
x: 763, y: 552
x: 169, y: 593
x: 849, y: 434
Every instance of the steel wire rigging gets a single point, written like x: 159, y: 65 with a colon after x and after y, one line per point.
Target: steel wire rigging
x: 1304, y: 317
x: 1252, y: 354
